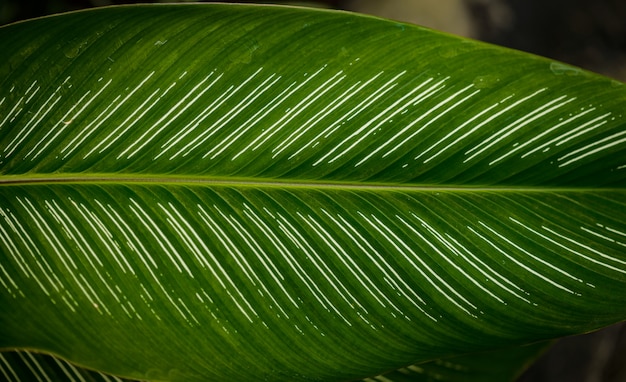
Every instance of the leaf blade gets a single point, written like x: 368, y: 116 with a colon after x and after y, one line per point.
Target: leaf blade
x: 248, y: 193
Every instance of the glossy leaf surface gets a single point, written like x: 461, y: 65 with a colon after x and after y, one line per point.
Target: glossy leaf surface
x: 218, y: 192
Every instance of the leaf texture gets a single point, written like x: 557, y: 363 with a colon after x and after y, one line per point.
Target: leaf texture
x: 500, y: 365
x: 220, y: 192
x: 29, y: 366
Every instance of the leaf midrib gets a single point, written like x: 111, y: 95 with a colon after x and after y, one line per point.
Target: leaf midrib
x: 215, y: 181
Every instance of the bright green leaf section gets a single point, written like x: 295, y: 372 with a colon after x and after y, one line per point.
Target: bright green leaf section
x: 218, y: 192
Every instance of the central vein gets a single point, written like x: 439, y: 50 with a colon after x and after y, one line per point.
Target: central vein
x: 212, y: 181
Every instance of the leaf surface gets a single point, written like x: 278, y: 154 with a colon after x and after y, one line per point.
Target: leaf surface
x: 494, y: 366
x: 220, y: 192
x: 30, y: 366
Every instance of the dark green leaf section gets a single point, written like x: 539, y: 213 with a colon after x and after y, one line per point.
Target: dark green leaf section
x: 498, y: 366
x: 218, y: 192
x: 28, y: 366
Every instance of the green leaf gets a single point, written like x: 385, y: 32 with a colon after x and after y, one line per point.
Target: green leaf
x: 220, y: 192
x: 494, y: 366
x: 497, y: 366
x: 29, y: 366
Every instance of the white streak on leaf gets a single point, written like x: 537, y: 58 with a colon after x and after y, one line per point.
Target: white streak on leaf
x: 13, y: 286
x: 230, y: 246
x: 440, y: 279
x: 33, y: 122
x: 528, y: 268
x: 457, y: 129
x: 71, y: 231
x: 588, y: 248
x: 48, y: 233
x: 80, y: 112
x: 142, y: 139
x: 603, y: 236
x: 134, y: 243
x: 87, y: 132
x: 11, y: 112
x: 188, y: 128
x: 232, y: 113
x: 53, y: 240
x: 551, y: 240
x: 84, y: 283
x: 63, y: 123
x: 395, y: 242
x: 364, y: 105
x: 282, y: 97
x: 36, y: 364
x: 296, y: 237
x: 7, y: 364
x: 206, y: 217
x: 209, y: 131
x: 585, y: 151
x: 454, y: 250
x: 294, y: 265
x: 105, y: 236
x: 542, y: 261
x: 267, y: 133
x: 548, y: 131
x: 610, y: 229
x: 115, y: 132
x: 581, y: 130
x: 265, y: 260
x: 11, y: 246
x: 177, y: 221
x: 383, y: 117
x: 360, y: 274
x: 403, y: 248
x: 149, y: 135
x: 314, y: 120
x: 259, y: 280
x: 159, y: 236
x: 301, y: 106
x: 518, y: 124
x: 494, y: 116
x: 80, y: 136
x: 340, y: 253
x: 399, y: 110
x: 432, y: 120
x: 490, y: 274
x: 34, y: 252
x: 181, y: 302
x: 328, y: 130
x: 242, y: 128
x: 137, y: 246
x: 62, y: 365
x: 30, y: 97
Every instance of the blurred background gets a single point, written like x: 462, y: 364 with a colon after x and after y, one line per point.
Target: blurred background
x: 587, y: 33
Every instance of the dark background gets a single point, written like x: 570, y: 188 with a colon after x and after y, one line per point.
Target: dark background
x: 586, y: 33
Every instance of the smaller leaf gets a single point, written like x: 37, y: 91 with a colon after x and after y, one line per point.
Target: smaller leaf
x: 28, y: 366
